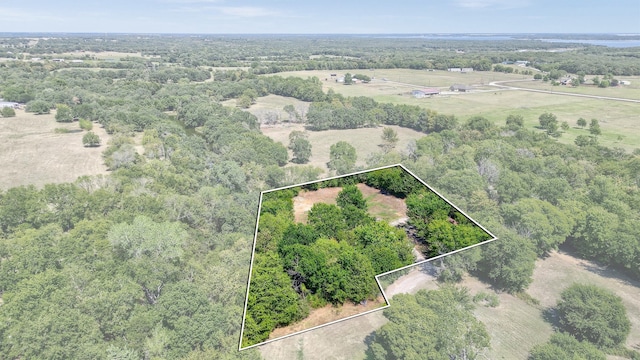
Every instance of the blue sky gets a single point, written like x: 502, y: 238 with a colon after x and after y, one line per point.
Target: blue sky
x: 321, y: 16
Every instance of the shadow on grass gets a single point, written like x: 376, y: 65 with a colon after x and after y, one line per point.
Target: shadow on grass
x: 550, y: 315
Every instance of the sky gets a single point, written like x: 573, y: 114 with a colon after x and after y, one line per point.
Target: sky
x: 321, y: 16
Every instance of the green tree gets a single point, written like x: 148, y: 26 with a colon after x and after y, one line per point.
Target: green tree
x: 581, y: 122
x: 508, y: 262
x: 584, y: 140
x: 7, y: 112
x: 38, y: 107
x: 271, y: 302
x: 593, y: 314
x: 90, y: 139
x: 244, y: 102
x: 515, y: 122
x: 390, y: 139
x: 300, y: 146
x: 563, y: 346
x: 326, y: 219
x: 342, y: 157
x: 549, y: 122
x: 564, y: 126
x: 63, y: 113
x: 431, y: 325
x: 347, y: 79
x: 594, y: 127
x: 351, y: 195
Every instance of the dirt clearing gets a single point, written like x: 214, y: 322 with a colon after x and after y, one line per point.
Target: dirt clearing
x: 383, y: 207
x: 31, y: 152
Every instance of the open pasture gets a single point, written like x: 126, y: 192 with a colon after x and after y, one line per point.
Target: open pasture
x: 618, y: 120
x: 365, y: 140
x: 31, y: 152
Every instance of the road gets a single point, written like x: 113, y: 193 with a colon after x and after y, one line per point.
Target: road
x: 509, y: 87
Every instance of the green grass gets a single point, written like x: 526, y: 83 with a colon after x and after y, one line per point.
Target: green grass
x: 617, y: 119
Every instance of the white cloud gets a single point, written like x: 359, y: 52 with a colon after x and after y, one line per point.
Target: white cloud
x: 247, y: 11
x: 502, y: 4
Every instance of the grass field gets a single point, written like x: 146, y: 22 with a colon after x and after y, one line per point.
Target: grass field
x: 620, y: 121
x: 631, y: 91
x: 365, y: 140
x: 32, y: 153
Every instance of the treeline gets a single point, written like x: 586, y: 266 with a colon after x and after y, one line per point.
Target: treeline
x: 354, y: 112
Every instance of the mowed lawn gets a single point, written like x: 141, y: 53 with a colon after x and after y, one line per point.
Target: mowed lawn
x: 620, y: 121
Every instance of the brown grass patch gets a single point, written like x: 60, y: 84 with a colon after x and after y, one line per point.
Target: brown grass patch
x: 326, y: 315
x: 31, y: 152
x: 383, y: 207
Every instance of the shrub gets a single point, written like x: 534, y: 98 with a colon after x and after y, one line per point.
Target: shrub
x: 7, y: 112
x: 90, y: 139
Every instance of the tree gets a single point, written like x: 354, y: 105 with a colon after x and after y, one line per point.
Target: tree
x: 515, y: 122
x: 564, y: 126
x: 581, y: 122
x: 594, y: 314
x: 301, y: 147
x: 63, y: 113
x: 508, y: 262
x: 85, y: 124
x: 431, y: 325
x: 347, y: 79
x: 342, y: 157
x: 584, y: 140
x: 244, y: 102
x: 7, y: 112
x: 390, y: 138
x: 563, y: 346
x: 549, y: 122
x: 90, y: 139
x: 537, y: 76
x: 38, y: 107
x: 594, y: 127
x: 351, y: 195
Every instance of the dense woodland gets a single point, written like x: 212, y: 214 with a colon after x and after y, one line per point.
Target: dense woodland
x: 335, y: 256
x: 152, y: 260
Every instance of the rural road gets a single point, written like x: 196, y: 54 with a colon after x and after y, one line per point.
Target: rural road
x: 508, y: 87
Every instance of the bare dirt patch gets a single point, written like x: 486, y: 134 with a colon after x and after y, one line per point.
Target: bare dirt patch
x: 326, y: 315
x: 383, y: 207
x: 32, y: 153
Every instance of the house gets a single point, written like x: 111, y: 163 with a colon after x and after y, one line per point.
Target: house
x: 421, y: 93
x: 522, y: 62
x: 460, y: 88
x: 624, y: 82
x: 466, y: 70
x: 566, y: 81
x: 77, y: 61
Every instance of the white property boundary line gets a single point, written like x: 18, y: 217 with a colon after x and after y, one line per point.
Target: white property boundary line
x: 384, y: 295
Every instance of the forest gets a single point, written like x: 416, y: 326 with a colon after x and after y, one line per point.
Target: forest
x: 151, y: 260
x: 334, y: 256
